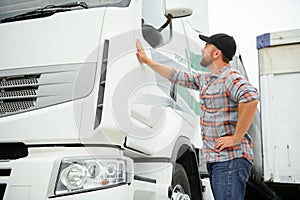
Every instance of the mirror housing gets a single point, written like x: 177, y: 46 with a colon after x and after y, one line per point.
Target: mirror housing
x: 178, y: 8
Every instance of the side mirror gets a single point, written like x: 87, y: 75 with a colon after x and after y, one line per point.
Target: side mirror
x: 178, y: 8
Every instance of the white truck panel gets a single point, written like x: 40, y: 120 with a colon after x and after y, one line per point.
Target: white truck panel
x: 279, y: 59
x: 52, y: 124
x: 280, y: 81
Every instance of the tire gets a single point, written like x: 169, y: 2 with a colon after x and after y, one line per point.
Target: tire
x: 180, y: 178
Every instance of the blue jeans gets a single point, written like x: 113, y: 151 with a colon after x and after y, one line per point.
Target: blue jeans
x: 228, y: 179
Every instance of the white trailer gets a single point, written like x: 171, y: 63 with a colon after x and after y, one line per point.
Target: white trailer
x: 279, y: 64
x: 81, y: 118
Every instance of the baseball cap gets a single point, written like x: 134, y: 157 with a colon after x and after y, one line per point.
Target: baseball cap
x: 223, y: 42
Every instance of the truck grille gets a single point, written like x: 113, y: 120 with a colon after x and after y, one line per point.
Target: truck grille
x: 18, y: 93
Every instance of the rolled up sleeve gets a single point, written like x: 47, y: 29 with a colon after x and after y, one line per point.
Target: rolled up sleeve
x: 240, y: 90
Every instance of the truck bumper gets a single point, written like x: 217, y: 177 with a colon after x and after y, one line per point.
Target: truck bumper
x: 29, y: 178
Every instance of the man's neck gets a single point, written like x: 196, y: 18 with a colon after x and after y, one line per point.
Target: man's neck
x: 215, y: 66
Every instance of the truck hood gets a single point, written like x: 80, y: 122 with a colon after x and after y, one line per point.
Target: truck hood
x: 51, y: 45
x: 68, y: 37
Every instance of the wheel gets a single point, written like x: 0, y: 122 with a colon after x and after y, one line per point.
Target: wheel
x: 180, y: 183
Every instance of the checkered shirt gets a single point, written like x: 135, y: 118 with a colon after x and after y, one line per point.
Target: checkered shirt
x: 220, y: 94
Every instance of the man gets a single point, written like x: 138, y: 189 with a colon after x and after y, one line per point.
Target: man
x: 228, y: 104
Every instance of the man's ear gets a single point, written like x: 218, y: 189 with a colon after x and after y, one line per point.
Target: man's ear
x: 217, y: 53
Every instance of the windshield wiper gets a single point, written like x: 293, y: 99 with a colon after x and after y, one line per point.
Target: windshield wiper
x: 45, y: 12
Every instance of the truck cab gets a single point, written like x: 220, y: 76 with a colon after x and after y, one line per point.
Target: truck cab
x: 81, y: 118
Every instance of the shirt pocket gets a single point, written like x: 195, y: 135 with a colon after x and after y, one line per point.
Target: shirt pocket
x: 214, y: 97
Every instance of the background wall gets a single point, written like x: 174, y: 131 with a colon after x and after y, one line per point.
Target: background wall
x: 246, y: 19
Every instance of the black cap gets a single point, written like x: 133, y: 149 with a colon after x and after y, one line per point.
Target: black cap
x: 223, y: 42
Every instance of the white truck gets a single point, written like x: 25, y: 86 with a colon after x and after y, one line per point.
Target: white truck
x: 81, y: 118
x: 279, y: 64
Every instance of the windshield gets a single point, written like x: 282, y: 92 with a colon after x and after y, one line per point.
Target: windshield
x: 9, y: 8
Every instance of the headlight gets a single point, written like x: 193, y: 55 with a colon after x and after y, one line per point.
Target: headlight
x: 84, y: 174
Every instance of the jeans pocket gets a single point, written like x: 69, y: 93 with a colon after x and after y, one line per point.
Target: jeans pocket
x: 244, y: 168
x: 220, y: 173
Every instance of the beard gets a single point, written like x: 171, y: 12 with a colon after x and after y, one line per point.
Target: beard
x: 206, y: 61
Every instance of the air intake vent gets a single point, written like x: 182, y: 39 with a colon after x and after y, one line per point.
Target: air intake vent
x: 102, y: 84
x: 18, y: 93
x: 21, y: 81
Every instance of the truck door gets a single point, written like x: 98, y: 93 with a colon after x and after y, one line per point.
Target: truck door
x: 158, y: 114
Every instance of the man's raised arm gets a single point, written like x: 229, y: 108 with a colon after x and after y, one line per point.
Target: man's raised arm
x: 163, y: 70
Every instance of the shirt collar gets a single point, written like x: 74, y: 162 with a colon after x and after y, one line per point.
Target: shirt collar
x: 219, y: 72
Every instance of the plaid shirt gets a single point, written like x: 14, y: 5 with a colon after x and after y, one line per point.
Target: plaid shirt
x: 220, y: 94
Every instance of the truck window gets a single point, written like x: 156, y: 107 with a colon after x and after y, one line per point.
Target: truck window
x: 15, y: 7
x: 152, y: 19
